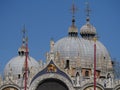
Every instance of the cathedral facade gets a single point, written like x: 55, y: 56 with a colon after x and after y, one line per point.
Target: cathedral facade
x: 78, y: 61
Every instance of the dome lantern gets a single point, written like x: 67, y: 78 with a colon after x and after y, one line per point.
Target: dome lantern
x: 73, y: 31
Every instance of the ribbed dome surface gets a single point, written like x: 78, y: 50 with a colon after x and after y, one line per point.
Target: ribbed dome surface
x: 75, y: 47
x: 16, y: 65
x: 68, y: 47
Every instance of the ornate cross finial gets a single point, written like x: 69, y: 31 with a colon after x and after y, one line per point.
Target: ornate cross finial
x: 25, y: 38
x: 88, y: 10
x: 73, y: 9
x: 24, y: 31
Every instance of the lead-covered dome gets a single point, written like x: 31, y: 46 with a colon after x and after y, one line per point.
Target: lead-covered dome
x: 75, y: 47
x: 16, y: 66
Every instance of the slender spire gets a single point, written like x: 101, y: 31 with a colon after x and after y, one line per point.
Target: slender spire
x: 73, y: 31
x: 88, y: 10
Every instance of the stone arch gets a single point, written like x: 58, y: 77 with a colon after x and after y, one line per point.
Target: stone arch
x: 91, y: 85
x: 51, y: 84
x: 117, y: 87
x: 4, y: 87
x: 49, y: 76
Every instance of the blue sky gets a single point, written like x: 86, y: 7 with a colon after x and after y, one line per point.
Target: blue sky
x: 46, y: 19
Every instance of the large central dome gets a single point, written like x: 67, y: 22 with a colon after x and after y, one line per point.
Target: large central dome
x: 81, y: 49
x: 75, y: 47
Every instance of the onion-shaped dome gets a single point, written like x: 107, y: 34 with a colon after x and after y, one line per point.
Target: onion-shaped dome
x: 88, y: 31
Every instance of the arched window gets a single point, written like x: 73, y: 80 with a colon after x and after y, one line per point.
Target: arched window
x: 87, y: 73
x: 18, y: 76
x: 77, y: 74
x: 67, y: 66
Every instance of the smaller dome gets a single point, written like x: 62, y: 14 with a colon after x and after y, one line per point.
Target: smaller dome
x: 16, y: 65
x: 87, y: 30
